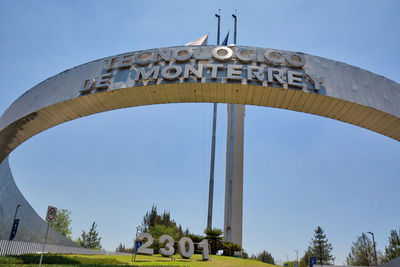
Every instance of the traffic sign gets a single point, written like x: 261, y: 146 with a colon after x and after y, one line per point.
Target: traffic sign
x: 51, y: 214
x: 313, y: 260
x: 14, y: 229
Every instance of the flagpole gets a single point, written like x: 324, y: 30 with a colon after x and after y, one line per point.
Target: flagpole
x: 212, y: 163
x: 235, y: 31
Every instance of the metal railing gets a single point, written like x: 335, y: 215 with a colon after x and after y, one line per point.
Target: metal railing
x: 18, y: 248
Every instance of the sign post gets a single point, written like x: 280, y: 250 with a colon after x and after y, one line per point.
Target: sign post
x: 313, y: 261
x: 14, y: 229
x: 137, y: 246
x: 50, y: 217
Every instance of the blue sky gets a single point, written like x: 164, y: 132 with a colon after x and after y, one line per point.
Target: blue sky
x: 301, y: 170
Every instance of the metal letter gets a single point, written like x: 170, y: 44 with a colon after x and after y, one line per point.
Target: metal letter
x: 190, y: 69
x: 110, y: 62
x: 125, y: 61
x: 186, y: 50
x: 214, y: 69
x: 166, y: 72
x: 277, y: 74
x: 165, y: 55
x: 88, y: 85
x: 251, y: 73
x: 103, y: 82
x: 299, y: 63
x: 270, y: 54
x: 145, y: 57
x: 234, y: 72
x: 182, y: 247
x: 228, y: 53
x: 315, y: 80
x: 154, y: 71
x: 248, y: 57
x: 295, y: 78
x: 169, y: 245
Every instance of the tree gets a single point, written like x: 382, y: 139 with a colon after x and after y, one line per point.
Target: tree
x: 230, y: 248
x: 62, y: 223
x: 320, y: 248
x: 91, y: 239
x: 161, y: 224
x: 152, y: 218
x: 362, y: 252
x: 393, y: 250
x: 214, y: 237
x: 122, y: 248
x: 264, y: 256
x: 305, y: 260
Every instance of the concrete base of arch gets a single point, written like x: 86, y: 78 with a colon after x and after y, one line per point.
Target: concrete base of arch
x: 31, y: 227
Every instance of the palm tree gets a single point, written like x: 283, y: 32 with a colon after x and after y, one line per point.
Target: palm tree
x: 214, y: 237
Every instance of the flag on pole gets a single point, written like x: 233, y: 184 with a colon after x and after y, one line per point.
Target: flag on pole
x: 225, y: 42
x: 201, y: 41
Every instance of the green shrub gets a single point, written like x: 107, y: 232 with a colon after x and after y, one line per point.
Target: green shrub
x: 54, y: 259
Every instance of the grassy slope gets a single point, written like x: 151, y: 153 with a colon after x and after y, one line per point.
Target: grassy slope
x: 195, y: 260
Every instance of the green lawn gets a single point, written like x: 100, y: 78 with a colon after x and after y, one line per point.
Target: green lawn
x: 118, y: 260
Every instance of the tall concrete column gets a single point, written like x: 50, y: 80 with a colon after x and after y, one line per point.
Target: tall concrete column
x: 234, y: 174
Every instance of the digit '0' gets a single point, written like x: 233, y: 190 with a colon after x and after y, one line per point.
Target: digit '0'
x: 186, y: 241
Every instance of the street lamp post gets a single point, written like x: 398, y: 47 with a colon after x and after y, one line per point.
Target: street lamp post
x: 373, y: 241
x: 297, y: 255
x: 15, y: 215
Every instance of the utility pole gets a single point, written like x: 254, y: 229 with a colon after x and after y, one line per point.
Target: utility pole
x: 214, y: 129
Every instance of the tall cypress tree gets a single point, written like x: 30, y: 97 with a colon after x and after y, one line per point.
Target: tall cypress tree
x: 320, y: 248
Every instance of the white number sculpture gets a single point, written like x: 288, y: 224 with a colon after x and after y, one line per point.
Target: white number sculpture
x: 203, y: 245
x: 185, y: 241
x: 143, y: 249
x: 166, y: 242
x: 169, y: 245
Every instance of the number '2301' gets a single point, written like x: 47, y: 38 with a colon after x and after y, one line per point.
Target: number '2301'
x: 166, y: 242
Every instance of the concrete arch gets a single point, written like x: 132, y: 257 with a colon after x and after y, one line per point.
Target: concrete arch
x: 248, y: 75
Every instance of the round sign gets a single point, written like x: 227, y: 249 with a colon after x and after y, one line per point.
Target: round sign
x: 51, y: 214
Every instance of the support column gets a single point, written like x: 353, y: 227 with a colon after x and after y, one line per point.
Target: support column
x: 234, y: 175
